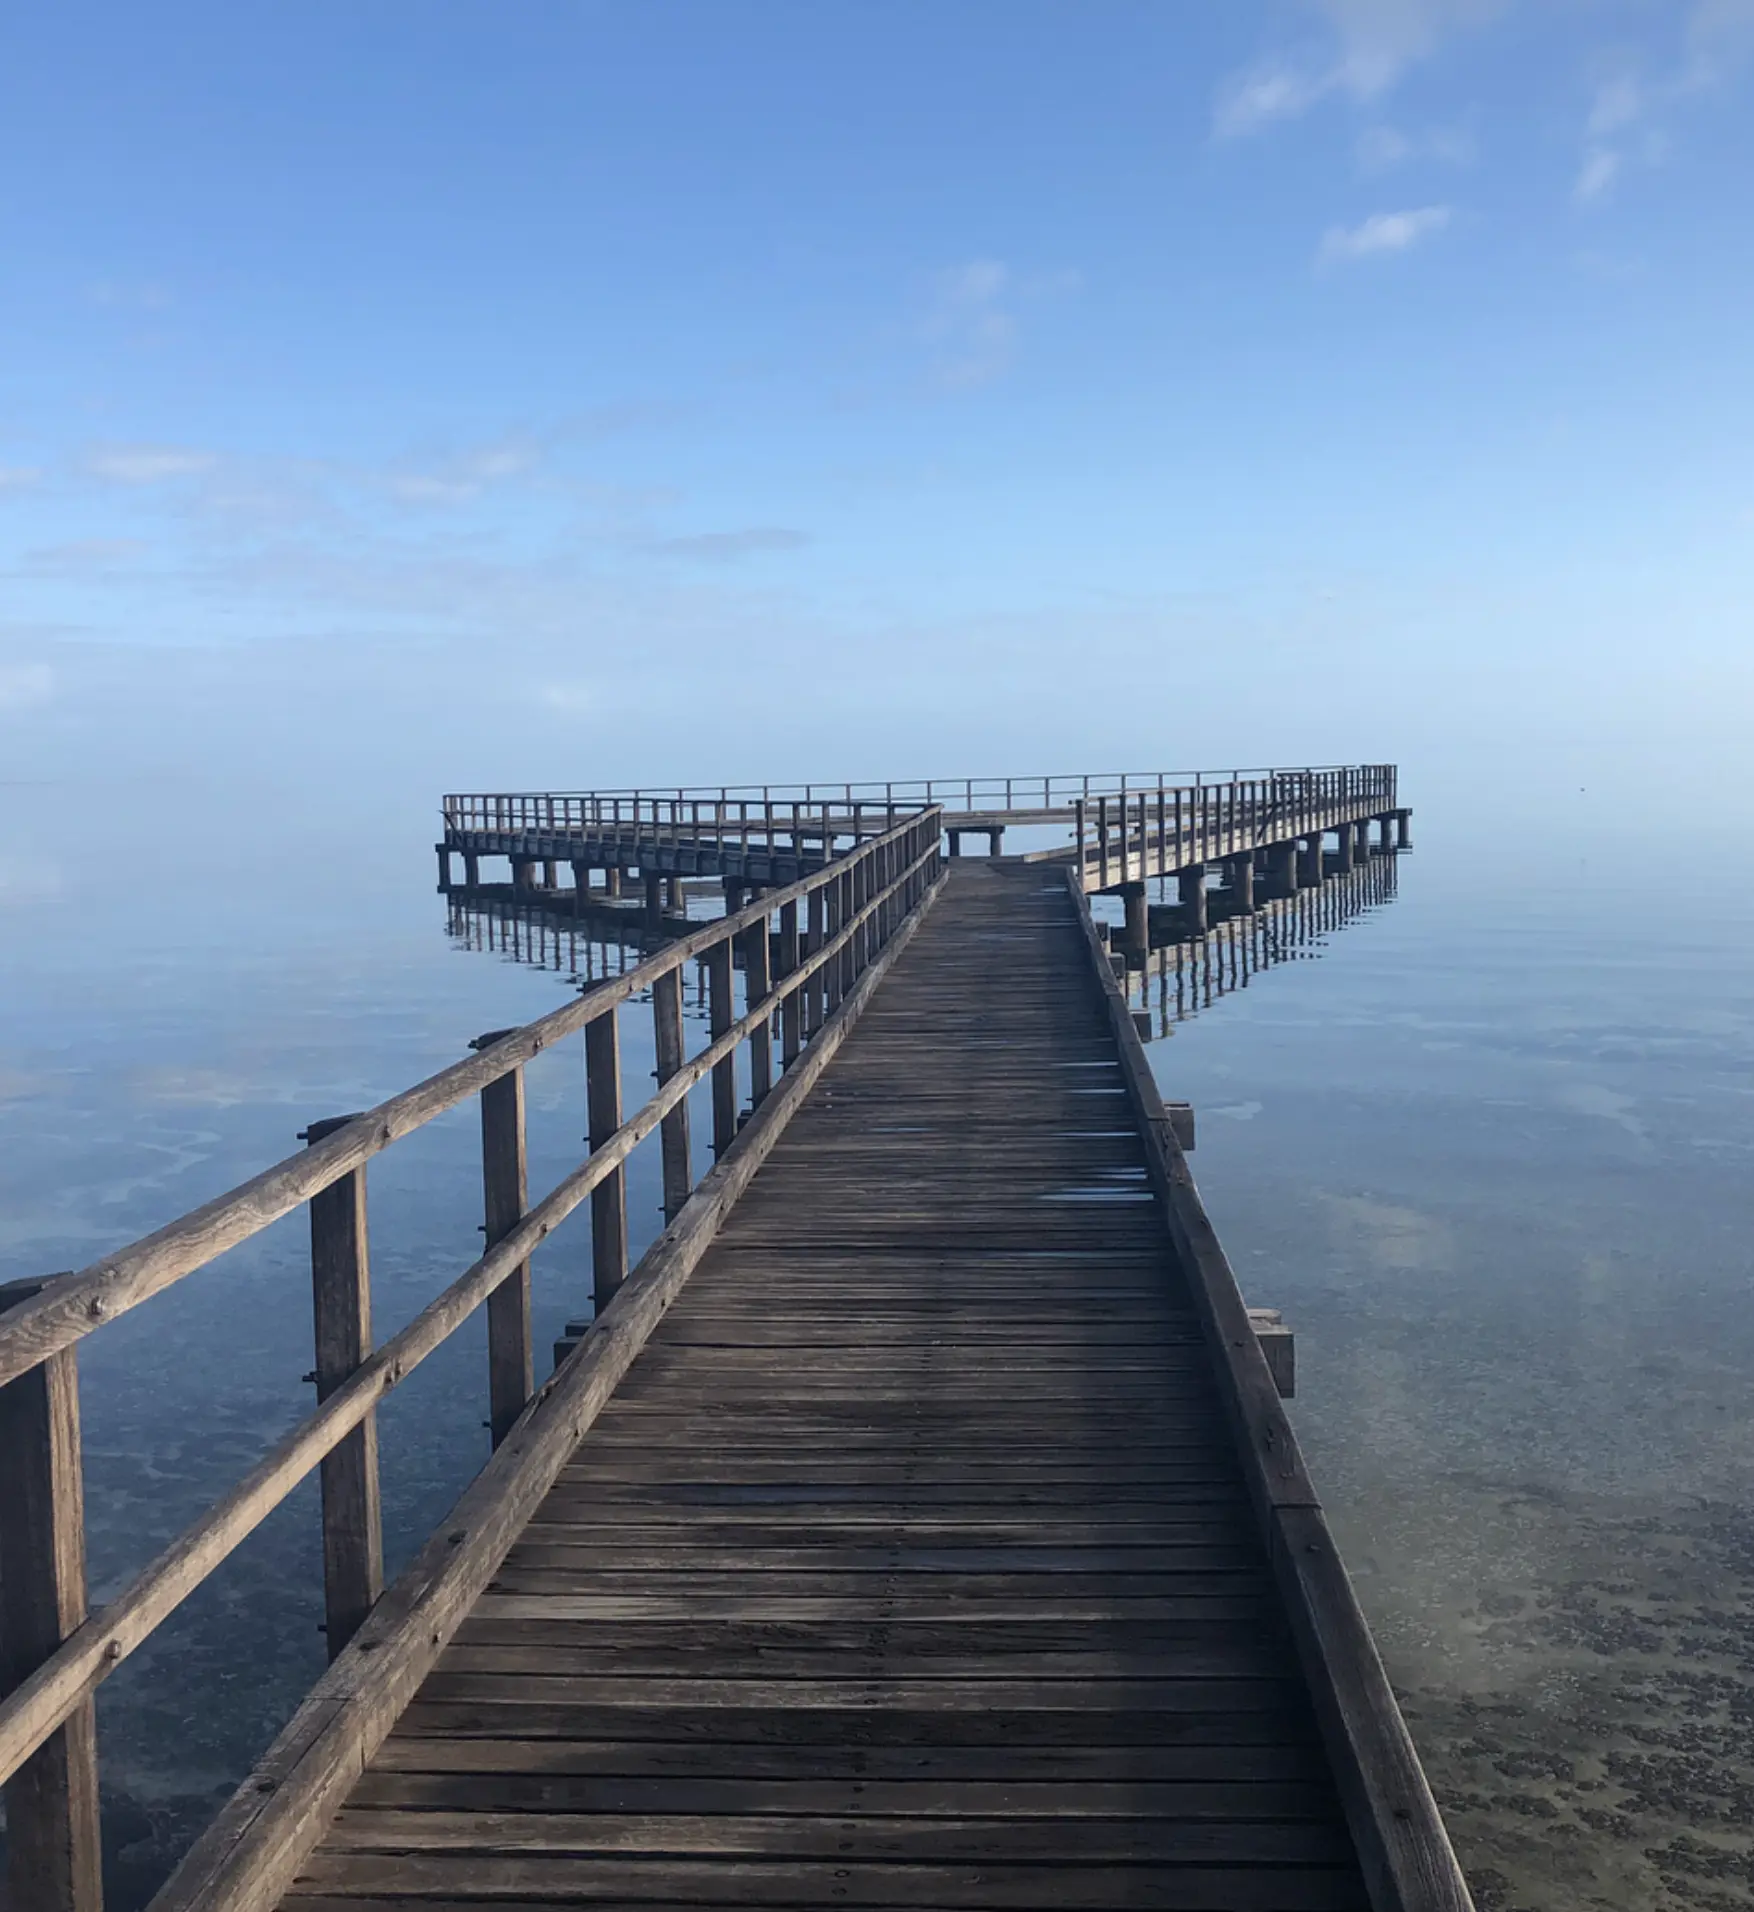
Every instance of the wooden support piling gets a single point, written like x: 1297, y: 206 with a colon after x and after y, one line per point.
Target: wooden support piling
x: 53, y: 1851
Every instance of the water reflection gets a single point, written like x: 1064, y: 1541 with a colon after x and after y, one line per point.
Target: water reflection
x: 1183, y: 975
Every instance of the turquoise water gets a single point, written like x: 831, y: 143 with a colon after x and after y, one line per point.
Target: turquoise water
x: 1485, y: 1143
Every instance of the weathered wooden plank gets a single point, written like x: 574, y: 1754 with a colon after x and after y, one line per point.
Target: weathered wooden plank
x: 364, y: 1880
x: 248, y: 1856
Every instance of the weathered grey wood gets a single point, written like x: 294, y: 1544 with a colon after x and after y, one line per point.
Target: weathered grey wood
x: 28, y: 1715
x: 1402, y: 1842
x: 670, y: 1052
x: 53, y: 1853
x: 353, y: 1542
x: 720, y: 1012
x: 756, y: 985
x: 511, y: 1377
x: 248, y: 1857
x: 609, y: 1197
x: 72, y: 1306
x: 792, y: 1009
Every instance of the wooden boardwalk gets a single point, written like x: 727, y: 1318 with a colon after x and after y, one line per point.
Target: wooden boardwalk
x: 917, y: 1524
x: 911, y: 1563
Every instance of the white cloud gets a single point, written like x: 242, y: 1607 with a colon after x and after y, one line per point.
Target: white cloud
x: 1625, y: 125
x: 148, y: 464
x: 1600, y: 168
x: 25, y: 686
x: 1381, y: 232
x: 573, y: 699
x: 1366, y: 46
x: 464, y: 477
x: 720, y: 547
x: 1381, y: 148
x: 1249, y: 101
x: 19, y: 477
x: 85, y: 556
x: 1719, y: 40
x: 972, y: 324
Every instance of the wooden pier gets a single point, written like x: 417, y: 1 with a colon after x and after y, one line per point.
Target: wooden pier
x: 917, y: 1525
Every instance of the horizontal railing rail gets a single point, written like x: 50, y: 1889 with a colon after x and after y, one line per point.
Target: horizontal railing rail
x: 738, y: 805
x: 1147, y: 832
x: 832, y: 927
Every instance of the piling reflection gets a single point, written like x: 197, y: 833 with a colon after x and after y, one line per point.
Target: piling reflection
x: 1184, y: 974
x: 582, y: 942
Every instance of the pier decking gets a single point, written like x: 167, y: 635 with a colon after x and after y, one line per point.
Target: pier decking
x: 911, y: 1562
x: 917, y: 1525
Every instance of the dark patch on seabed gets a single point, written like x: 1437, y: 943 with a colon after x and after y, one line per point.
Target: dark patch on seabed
x: 1615, y: 1767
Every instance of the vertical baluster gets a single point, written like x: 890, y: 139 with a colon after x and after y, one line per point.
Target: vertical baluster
x: 53, y: 1850
x: 792, y: 1009
x: 1102, y: 842
x: 815, y: 935
x: 609, y: 1197
x: 673, y: 1138
x: 756, y: 964
x: 719, y: 1019
x: 341, y: 1310
x: 506, y: 1194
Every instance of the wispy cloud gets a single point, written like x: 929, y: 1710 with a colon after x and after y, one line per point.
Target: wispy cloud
x: 725, y: 547
x: 85, y: 557
x: 25, y: 686
x: 972, y: 324
x: 1360, y: 51
x: 1634, y: 97
x: 464, y: 476
x: 144, y: 297
x: 148, y: 464
x: 19, y: 477
x: 1382, y: 232
x: 1383, y: 148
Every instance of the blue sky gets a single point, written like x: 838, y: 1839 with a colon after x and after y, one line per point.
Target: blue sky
x: 420, y: 396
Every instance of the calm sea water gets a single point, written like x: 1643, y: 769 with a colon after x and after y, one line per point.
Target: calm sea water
x: 1484, y: 1136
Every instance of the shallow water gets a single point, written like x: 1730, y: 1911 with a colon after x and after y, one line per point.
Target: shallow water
x: 1485, y: 1143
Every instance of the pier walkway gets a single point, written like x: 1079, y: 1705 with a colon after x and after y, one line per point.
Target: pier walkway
x: 917, y: 1525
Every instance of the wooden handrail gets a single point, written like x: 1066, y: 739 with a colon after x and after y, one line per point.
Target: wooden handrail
x: 907, y: 858
x: 72, y: 1306
x: 998, y: 793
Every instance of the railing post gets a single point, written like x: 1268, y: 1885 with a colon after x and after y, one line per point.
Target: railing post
x: 792, y: 1008
x: 673, y: 1137
x: 609, y: 1197
x: 1078, y: 816
x: 505, y: 1194
x: 756, y: 964
x: 54, y: 1855
x: 341, y: 1311
x: 1102, y: 841
x: 719, y: 1019
x: 815, y: 934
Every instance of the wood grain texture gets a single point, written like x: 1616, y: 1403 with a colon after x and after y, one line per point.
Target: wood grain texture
x: 912, y: 1562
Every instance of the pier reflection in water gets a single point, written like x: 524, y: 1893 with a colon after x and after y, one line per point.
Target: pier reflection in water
x: 1184, y: 974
